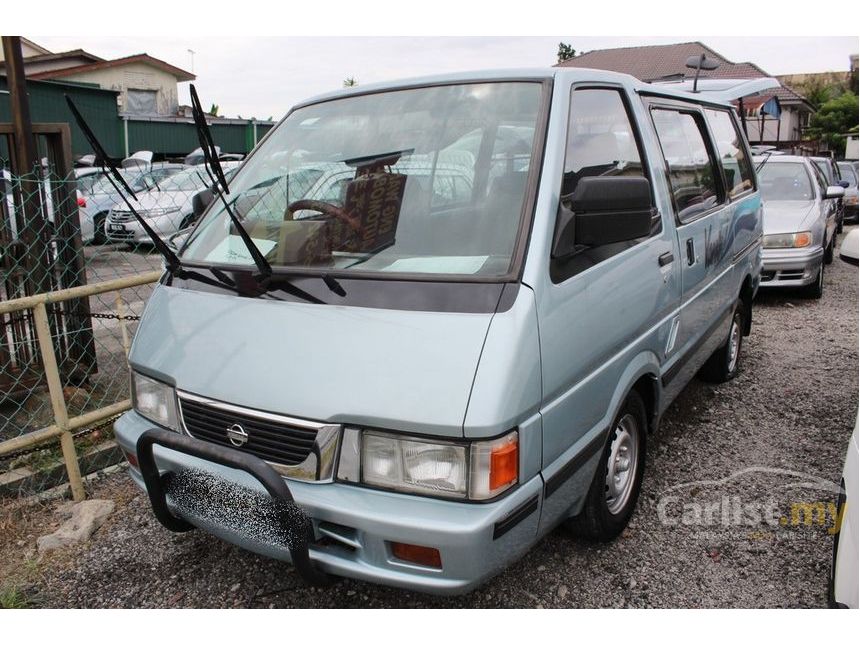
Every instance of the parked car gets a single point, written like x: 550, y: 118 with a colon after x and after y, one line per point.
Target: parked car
x: 849, y: 250
x: 45, y: 197
x: 103, y: 196
x: 799, y: 223
x: 428, y: 389
x: 843, y: 566
x: 849, y: 174
x: 834, y: 178
x: 167, y: 207
x: 87, y: 176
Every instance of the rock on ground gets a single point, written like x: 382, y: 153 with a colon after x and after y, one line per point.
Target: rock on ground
x: 84, y: 518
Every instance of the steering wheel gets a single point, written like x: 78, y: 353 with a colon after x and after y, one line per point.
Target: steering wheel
x: 326, y: 209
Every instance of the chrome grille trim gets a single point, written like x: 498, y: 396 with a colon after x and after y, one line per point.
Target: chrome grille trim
x: 319, y: 464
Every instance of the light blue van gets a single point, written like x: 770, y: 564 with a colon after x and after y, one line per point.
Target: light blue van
x: 486, y: 289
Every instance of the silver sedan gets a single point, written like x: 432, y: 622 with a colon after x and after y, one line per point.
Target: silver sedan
x: 800, y: 212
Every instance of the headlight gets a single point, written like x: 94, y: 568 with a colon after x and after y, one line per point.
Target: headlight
x: 788, y: 240
x: 158, y: 212
x: 154, y: 400
x: 480, y: 470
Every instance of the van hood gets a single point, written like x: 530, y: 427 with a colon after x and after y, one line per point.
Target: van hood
x: 402, y: 370
x: 786, y: 216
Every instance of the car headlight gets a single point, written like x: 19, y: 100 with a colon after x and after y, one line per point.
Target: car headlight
x: 155, y: 401
x: 158, y: 212
x: 478, y: 470
x: 788, y: 240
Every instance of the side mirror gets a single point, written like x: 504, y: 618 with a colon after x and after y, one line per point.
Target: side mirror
x: 834, y: 192
x: 850, y: 249
x: 603, y: 210
x: 200, y: 201
x: 844, y: 184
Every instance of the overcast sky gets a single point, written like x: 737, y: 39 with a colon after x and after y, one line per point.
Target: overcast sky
x: 263, y: 76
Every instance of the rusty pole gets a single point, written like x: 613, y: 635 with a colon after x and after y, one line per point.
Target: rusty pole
x: 25, y: 164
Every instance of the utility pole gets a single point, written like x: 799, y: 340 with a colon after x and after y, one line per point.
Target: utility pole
x: 24, y: 161
x: 25, y: 147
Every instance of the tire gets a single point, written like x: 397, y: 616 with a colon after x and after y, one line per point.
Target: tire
x: 839, y: 224
x: 815, y: 290
x: 828, y: 252
x: 607, y: 510
x: 99, y: 236
x: 723, y: 364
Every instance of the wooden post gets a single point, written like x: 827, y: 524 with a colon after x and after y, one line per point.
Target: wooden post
x: 120, y: 312
x: 58, y: 403
x: 25, y: 163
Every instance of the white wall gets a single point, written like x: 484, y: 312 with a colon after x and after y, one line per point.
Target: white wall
x: 137, y: 76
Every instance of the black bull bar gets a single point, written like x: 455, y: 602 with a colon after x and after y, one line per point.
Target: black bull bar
x: 287, y: 511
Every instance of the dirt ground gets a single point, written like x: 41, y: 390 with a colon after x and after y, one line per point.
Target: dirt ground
x: 787, y: 416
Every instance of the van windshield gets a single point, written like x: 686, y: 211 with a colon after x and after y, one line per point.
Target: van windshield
x: 427, y: 180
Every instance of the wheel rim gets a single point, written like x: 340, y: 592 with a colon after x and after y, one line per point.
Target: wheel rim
x: 623, y: 464
x: 734, y: 343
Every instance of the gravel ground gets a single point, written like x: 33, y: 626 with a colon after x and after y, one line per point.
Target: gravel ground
x: 792, y: 408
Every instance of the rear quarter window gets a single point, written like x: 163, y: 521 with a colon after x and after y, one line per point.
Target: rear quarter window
x: 737, y: 169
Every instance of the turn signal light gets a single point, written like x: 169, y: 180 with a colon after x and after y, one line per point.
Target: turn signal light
x: 503, y: 465
x: 131, y: 458
x: 82, y: 203
x: 423, y: 555
x: 802, y: 239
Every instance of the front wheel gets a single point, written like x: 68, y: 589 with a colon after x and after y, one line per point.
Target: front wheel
x: 828, y: 252
x: 815, y: 290
x: 615, y: 487
x: 723, y: 364
x: 99, y: 236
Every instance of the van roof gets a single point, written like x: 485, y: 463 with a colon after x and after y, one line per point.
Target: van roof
x: 719, y: 91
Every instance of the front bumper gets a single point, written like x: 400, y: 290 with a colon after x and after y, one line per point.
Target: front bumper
x: 790, y: 267
x: 354, y: 526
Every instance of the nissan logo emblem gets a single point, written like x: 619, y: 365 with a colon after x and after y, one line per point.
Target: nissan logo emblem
x: 237, y: 435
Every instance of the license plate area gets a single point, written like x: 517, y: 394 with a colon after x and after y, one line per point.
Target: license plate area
x: 116, y: 228
x: 241, y: 510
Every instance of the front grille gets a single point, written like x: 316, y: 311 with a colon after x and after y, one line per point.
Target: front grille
x: 121, y: 216
x: 270, y: 439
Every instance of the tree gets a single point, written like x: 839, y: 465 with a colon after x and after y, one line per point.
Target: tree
x: 818, y: 93
x: 213, y: 111
x: 565, y: 52
x: 833, y: 120
x: 350, y: 82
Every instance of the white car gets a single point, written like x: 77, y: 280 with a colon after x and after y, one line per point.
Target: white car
x: 101, y: 195
x: 167, y: 207
x: 843, y: 572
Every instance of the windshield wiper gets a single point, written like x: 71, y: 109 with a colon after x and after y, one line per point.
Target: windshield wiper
x: 212, y: 165
x: 764, y: 161
x: 219, y: 185
x: 115, y: 177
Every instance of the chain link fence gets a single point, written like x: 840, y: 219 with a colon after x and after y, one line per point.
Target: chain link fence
x: 69, y: 232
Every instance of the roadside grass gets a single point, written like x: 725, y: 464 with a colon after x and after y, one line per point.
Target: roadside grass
x: 12, y: 597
